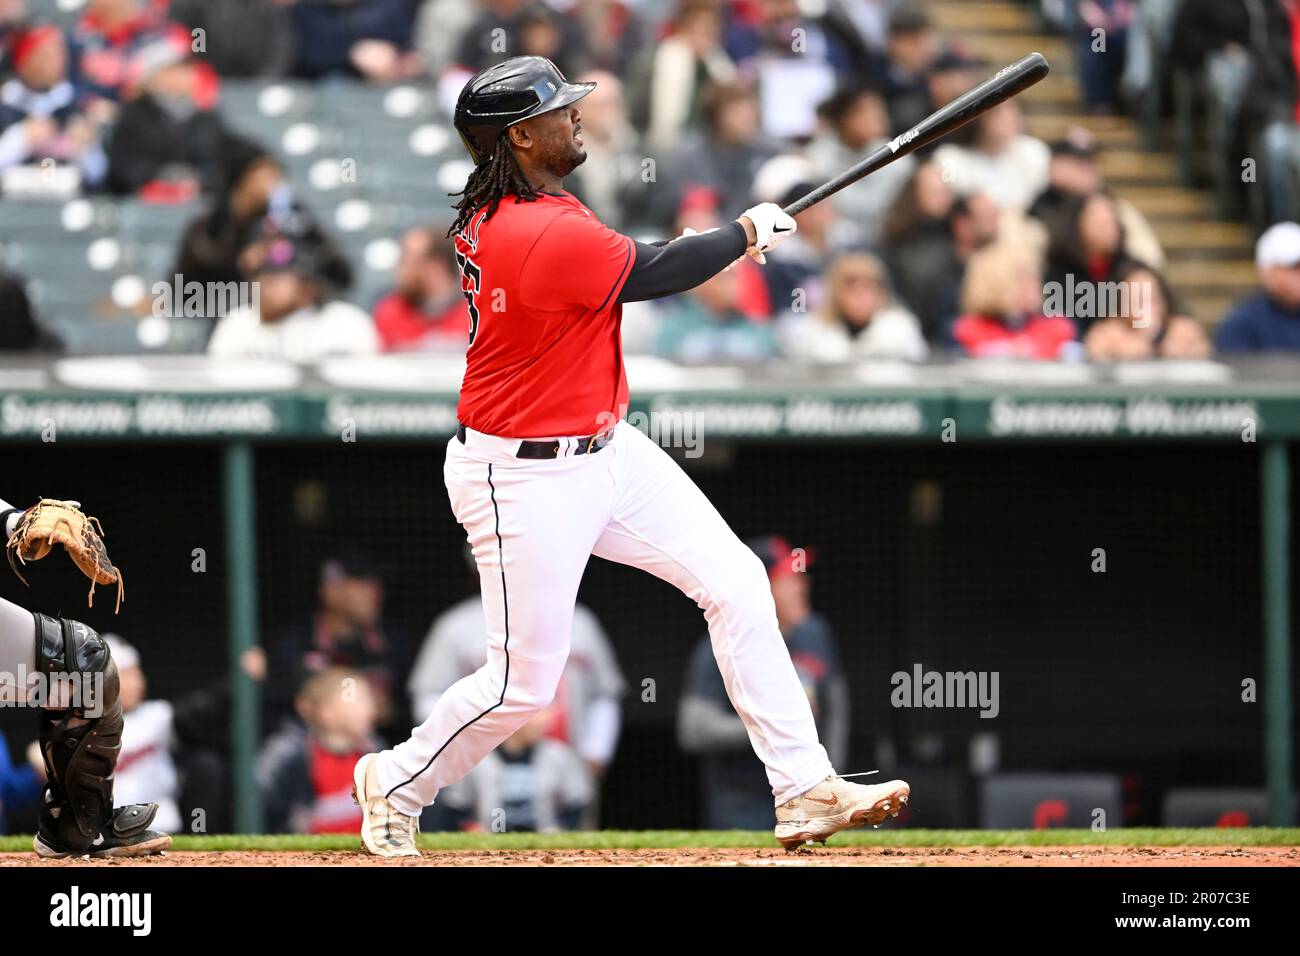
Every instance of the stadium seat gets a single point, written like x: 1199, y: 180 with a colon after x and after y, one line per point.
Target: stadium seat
x: 395, y: 106
x: 1215, y: 807
x: 22, y: 219
x: 151, y: 223
x: 263, y: 110
x: 1040, y: 801
x: 99, y: 336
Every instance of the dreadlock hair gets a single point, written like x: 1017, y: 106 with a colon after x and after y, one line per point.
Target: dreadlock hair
x: 491, y: 182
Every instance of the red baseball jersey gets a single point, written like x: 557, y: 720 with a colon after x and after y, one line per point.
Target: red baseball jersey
x: 545, y: 358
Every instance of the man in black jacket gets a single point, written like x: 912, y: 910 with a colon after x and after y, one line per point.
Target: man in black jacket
x: 164, y: 133
x: 19, y: 330
x: 242, y: 37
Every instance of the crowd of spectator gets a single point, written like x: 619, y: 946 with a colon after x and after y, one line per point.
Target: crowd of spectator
x: 995, y: 243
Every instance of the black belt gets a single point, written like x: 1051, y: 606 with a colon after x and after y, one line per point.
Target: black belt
x: 551, y: 449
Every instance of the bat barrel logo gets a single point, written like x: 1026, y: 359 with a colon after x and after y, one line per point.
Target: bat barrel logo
x: 900, y: 141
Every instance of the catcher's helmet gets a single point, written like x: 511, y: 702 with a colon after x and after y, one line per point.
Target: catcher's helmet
x: 507, y: 93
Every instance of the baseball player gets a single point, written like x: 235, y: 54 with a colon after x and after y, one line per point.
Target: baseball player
x: 71, y: 675
x: 543, y: 473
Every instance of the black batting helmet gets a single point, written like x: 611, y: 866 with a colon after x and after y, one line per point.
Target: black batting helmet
x: 508, y: 93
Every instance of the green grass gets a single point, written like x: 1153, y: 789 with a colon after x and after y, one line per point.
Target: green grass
x: 662, y: 839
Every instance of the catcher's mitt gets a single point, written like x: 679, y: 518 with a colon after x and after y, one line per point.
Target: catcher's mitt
x: 50, y: 522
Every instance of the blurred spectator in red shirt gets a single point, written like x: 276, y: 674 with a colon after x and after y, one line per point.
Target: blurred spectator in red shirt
x: 305, y: 770
x: 1086, y: 246
x: 111, y: 34
x: 701, y: 211
x: 1002, y: 309
x: 12, y: 15
x: 427, y: 309
x: 698, y: 212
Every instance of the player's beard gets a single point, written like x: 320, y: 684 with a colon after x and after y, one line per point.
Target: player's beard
x: 564, y: 157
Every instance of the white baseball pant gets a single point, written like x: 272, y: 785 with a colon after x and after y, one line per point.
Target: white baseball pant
x: 532, y: 525
x: 17, y: 651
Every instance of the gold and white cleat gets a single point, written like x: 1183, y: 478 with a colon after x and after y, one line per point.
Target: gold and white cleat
x: 384, y: 831
x: 835, y: 804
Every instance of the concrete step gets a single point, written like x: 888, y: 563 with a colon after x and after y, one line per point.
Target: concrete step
x: 1168, y: 202
x: 1131, y: 165
x: 1057, y: 88
x: 1110, y: 132
x: 958, y: 18
x: 1210, y: 309
x: 1221, y: 277
x: 1222, y: 238
x: 1002, y: 49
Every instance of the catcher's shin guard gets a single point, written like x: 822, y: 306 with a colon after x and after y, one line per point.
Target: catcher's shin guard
x: 80, y: 737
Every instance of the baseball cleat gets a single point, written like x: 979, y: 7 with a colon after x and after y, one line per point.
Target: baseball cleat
x: 384, y: 831
x: 835, y: 804
x: 127, y: 833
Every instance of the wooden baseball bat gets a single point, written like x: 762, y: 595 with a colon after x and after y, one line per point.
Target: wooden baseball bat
x: 998, y: 88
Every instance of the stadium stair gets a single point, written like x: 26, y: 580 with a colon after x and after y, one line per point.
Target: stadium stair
x: 1210, y: 261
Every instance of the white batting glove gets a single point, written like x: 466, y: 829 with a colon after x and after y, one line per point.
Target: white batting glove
x: 771, y: 225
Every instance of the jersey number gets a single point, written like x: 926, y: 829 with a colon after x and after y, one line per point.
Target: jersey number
x: 470, y: 286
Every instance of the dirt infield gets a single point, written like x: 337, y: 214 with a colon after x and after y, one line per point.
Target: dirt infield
x: 1086, y: 856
